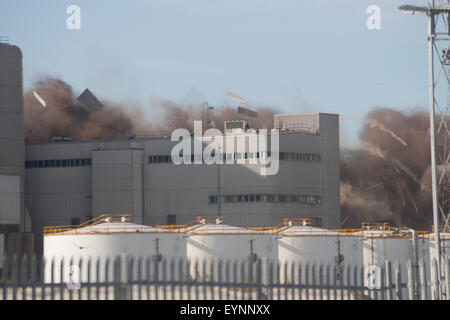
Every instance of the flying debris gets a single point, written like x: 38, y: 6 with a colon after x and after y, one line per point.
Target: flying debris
x: 88, y: 101
x: 236, y: 97
x: 38, y: 98
x: 247, y: 112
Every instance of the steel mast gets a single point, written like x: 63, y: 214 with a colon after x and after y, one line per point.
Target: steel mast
x: 434, y: 12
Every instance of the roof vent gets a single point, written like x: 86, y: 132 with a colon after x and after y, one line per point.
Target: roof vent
x: 123, y: 219
x: 203, y: 221
x: 218, y: 221
x: 108, y: 219
x: 290, y: 223
x: 305, y: 223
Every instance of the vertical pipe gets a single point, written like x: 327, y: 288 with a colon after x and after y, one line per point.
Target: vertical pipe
x: 437, y: 246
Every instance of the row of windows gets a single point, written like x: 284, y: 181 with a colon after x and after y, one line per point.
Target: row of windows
x: 275, y: 198
x: 310, y: 157
x: 58, y: 163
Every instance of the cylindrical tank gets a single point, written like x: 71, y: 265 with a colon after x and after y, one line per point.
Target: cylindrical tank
x: 302, y: 244
x: 384, y: 243
x: 12, y: 143
x: 213, y: 241
x: 111, y: 240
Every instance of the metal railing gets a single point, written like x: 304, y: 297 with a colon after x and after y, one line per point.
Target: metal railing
x: 106, y: 217
x: 129, y: 278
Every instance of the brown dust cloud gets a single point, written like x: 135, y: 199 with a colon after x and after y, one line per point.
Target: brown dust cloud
x: 384, y: 178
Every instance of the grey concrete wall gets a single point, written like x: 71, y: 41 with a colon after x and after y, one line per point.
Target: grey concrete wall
x: 12, y: 144
x: 117, y: 182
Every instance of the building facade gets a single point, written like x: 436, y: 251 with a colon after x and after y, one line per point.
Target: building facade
x: 69, y: 182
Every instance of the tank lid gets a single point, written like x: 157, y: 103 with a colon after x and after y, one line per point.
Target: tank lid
x: 300, y: 230
x: 116, y: 227
x: 219, y: 229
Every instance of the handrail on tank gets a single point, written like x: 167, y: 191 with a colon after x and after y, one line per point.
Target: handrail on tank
x: 287, y: 222
x: 442, y: 228
x: 383, y: 226
x: 105, y: 217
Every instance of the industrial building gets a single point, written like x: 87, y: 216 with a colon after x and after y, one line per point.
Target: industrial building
x: 67, y: 182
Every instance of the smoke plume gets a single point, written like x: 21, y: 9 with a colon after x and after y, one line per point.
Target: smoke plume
x: 387, y: 177
x: 65, y: 117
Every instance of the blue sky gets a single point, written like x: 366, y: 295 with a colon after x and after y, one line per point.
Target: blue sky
x: 295, y: 55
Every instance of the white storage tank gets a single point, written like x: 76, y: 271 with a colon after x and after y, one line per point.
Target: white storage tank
x: 385, y: 243
x: 108, y: 237
x: 210, y: 240
x: 301, y: 243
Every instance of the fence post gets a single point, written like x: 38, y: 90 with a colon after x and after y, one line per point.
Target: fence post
x: 388, y: 280
x: 398, y: 280
x: 435, y: 281
x: 447, y: 279
x: 259, y: 294
x: 411, y: 283
x: 120, y: 277
x: 423, y: 280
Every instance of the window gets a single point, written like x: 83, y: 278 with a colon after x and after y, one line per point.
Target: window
x: 171, y: 219
x: 57, y: 163
x: 273, y: 198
